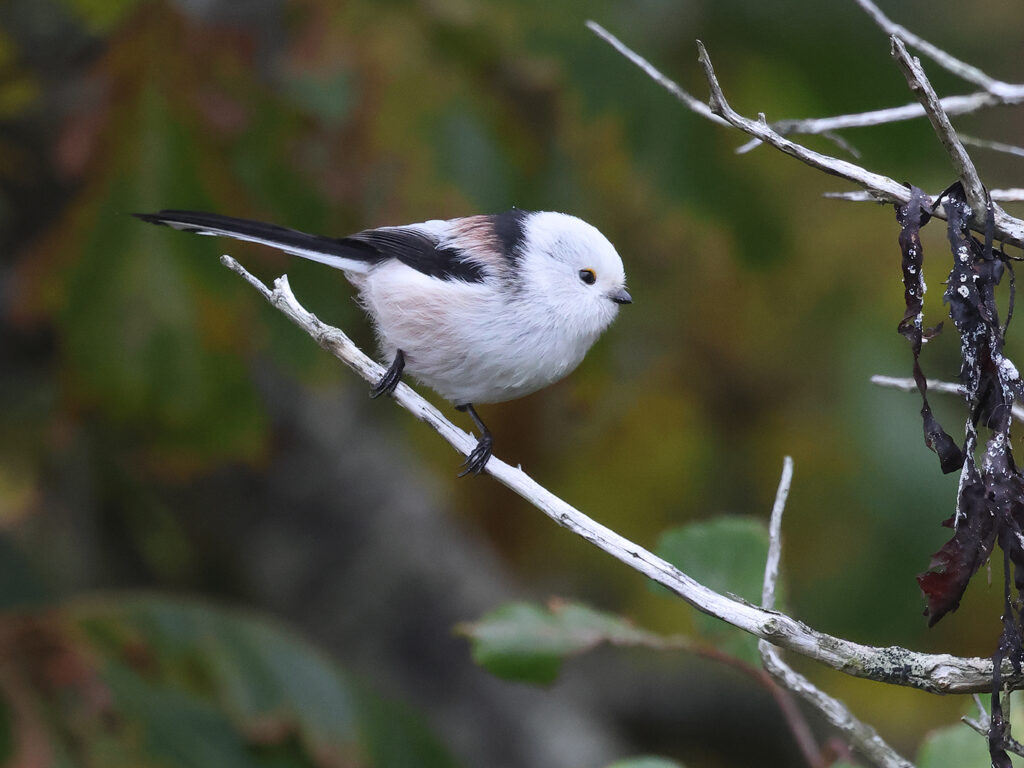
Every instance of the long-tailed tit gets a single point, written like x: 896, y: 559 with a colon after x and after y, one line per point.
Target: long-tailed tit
x: 481, y: 309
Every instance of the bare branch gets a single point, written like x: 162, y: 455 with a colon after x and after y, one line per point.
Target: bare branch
x: 1008, y: 229
x: 861, y: 735
x: 961, y: 69
x: 974, y: 190
x: 999, y: 195
x: 995, y: 93
x: 996, y: 146
x: 951, y: 105
x: 936, y: 673
x: 984, y: 723
x: 882, y: 186
x: 691, y: 101
x: 934, y: 385
x: 771, y: 566
x: 908, y: 385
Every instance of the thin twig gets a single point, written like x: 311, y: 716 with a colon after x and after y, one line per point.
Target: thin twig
x: 771, y: 566
x: 936, y: 673
x: 974, y: 190
x: 797, y: 724
x: 952, y: 105
x: 995, y: 146
x: 994, y: 92
x: 984, y: 723
x: 961, y: 69
x: 691, y: 101
x: 934, y: 385
x: 861, y: 735
x: 882, y: 186
x: 861, y: 196
x: 1008, y: 229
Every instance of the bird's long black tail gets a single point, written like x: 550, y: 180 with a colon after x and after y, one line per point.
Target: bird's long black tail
x: 341, y: 253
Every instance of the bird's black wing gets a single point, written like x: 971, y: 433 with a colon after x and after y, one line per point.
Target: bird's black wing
x: 419, y: 250
x: 410, y: 245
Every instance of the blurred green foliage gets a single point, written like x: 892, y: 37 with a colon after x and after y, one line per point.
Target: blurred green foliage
x: 145, y: 680
x: 134, y: 369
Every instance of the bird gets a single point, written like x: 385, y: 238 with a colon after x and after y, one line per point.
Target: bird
x: 482, y: 309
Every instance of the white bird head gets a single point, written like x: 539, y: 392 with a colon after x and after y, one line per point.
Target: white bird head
x: 570, y: 267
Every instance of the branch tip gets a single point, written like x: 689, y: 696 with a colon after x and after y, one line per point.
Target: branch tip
x: 232, y: 264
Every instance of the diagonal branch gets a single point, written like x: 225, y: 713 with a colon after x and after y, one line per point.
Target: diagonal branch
x: 961, y: 69
x: 946, y: 387
x: 953, y: 105
x: 691, y: 101
x: 919, y: 84
x: 998, y: 195
x: 936, y: 673
x: 995, y: 146
x: 882, y: 188
x: 984, y: 723
x: 861, y: 735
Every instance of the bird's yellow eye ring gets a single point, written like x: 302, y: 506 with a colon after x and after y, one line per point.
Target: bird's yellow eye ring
x: 588, y: 276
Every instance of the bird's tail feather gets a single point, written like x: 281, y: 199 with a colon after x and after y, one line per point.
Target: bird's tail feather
x: 348, y: 255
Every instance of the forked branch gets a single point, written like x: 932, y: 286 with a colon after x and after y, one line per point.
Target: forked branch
x: 1008, y: 229
x: 936, y: 673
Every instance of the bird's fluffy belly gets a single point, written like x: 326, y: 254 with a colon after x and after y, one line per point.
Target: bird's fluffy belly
x: 466, y: 341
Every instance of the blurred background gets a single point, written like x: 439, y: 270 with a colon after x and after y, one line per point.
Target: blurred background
x: 174, y: 452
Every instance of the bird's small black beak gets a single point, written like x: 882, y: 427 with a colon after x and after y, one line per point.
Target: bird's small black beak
x: 621, y: 296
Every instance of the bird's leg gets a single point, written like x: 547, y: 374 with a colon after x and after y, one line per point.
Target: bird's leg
x: 477, y: 460
x: 390, y: 379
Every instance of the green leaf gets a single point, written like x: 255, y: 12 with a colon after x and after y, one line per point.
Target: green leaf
x: 528, y: 643
x: 954, y: 746
x: 646, y: 762
x: 179, y: 684
x: 726, y: 554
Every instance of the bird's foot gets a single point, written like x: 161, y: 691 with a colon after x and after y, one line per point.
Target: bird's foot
x: 477, y: 459
x: 391, y: 377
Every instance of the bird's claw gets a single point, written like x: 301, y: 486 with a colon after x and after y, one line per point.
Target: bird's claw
x: 477, y: 459
x: 391, y: 377
x: 386, y: 385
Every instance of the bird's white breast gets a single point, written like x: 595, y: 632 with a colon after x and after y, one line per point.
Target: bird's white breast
x: 470, y: 341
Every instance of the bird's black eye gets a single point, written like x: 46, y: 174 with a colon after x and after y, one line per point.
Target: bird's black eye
x: 588, y: 276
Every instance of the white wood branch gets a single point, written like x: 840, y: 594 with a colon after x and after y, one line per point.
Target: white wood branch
x: 934, y: 385
x: 995, y: 146
x: 918, y: 82
x: 861, y: 196
x: 862, y: 736
x: 984, y: 722
x: 691, y: 101
x: 936, y: 673
x: 995, y: 93
x: 1007, y: 228
x: 882, y: 188
x: 961, y: 69
x: 964, y: 104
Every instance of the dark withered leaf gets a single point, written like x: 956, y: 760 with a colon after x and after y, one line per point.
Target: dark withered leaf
x: 912, y: 217
x: 951, y: 458
x: 990, y: 506
x: 952, y: 567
